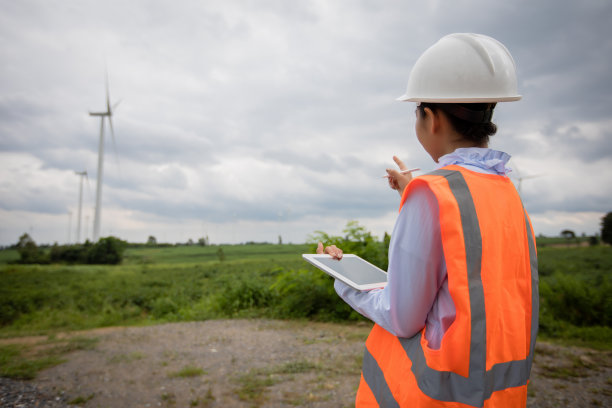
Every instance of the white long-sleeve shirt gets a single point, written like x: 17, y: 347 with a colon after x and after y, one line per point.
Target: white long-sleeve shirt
x: 417, y: 294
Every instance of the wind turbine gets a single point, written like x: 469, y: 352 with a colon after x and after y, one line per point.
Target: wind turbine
x: 82, y: 174
x: 107, y: 114
x: 520, y: 178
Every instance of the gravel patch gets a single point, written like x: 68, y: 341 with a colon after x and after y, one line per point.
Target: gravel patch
x: 267, y: 363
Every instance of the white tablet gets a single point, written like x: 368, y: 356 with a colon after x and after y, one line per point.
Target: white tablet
x: 351, y: 269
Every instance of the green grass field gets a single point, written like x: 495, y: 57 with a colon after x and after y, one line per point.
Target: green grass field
x: 160, y: 284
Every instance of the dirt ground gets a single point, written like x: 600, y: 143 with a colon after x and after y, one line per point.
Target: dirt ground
x: 267, y: 363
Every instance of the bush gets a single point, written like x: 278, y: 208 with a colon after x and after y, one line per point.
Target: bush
x: 107, y: 251
x: 163, y: 307
x: 577, y: 301
x: 244, y: 293
x: 73, y: 254
x: 606, y: 228
x: 357, y: 241
x: 309, y: 294
x: 29, y: 252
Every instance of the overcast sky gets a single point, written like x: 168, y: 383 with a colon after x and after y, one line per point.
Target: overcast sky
x: 246, y: 120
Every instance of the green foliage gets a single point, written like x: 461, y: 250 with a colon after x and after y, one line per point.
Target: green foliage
x: 221, y: 254
x: 575, y: 301
x: 158, y: 284
x: 29, y: 252
x: 241, y: 293
x: 188, y: 371
x: 163, y: 307
x: 24, y: 361
x: 14, y: 365
x: 309, y: 293
x: 606, y: 228
x: 80, y: 400
x: 357, y: 240
x: 70, y: 253
x: 107, y: 251
x: 568, y: 234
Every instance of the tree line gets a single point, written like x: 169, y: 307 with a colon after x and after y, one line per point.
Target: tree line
x: 108, y: 251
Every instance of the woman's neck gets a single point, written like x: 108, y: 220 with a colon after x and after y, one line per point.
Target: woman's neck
x: 457, y: 141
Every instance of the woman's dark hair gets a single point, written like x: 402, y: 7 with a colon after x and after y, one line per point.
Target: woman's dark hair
x: 472, y: 120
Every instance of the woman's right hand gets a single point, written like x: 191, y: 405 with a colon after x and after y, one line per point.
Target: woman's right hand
x: 398, y: 181
x: 332, y: 250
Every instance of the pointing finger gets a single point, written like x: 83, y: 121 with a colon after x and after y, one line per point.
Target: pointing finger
x: 400, y: 163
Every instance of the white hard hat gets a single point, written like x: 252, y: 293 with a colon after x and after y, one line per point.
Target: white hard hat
x: 463, y: 68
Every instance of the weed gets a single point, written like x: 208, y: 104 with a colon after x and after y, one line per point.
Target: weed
x: 531, y: 392
x: 570, y: 365
x: 14, y: 365
x: 252, y: 386
x: 208, y: 399
x: 75, y: 343
x: 188, y: 371
x: 294, y: 367
x: 168, y: 397
x: 127, y: 358
x: 254, y: 383
x: 81, y: 400
x: 25, y: 361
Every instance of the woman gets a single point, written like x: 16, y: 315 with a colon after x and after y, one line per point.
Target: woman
x: 456, y: 324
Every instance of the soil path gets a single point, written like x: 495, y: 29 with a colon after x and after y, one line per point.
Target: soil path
x: 267, y: 363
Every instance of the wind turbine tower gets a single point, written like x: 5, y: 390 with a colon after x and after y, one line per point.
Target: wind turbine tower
x: 78, y: 233
x: 106, y: 114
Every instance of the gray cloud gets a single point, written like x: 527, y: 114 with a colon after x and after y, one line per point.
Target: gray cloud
x: 240, y: 110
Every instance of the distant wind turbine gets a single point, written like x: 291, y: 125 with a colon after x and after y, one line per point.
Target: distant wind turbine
x: 520, y: 178
x: 107, y: 114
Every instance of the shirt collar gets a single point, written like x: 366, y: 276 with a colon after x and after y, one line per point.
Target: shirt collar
x: 484, y: 158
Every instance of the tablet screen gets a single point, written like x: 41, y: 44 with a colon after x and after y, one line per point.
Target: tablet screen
x: 355, y: 269
x: 351, y: 269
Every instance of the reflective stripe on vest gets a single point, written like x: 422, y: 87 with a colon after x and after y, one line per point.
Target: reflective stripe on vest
x: 481, y: 383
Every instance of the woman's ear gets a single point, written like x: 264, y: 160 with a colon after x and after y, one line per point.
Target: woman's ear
x: 431, y: 119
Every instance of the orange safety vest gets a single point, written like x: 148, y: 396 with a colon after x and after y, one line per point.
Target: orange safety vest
x: 485, y: 357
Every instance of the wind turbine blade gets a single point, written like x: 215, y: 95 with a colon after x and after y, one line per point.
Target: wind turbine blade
x: 108, y: 107
x: 516, y: 170
x: 87, y: 180
x: 110, y: 122
x: 116, y: 104
x: 532, y: 176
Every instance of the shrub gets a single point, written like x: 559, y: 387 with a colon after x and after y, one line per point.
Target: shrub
x: 163, y: 307
x: 69, y: 253
x: 107, y: 251
x: 357, y: 240
x: 606, y: 228
x: 576, y: 301
x: 309, y: 294
x: 239, y: 294
x: 29, y: 252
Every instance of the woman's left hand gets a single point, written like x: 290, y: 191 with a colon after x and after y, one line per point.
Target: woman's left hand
x: 332, y: 250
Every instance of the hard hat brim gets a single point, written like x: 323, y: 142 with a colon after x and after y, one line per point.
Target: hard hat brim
x: 407, y: 98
